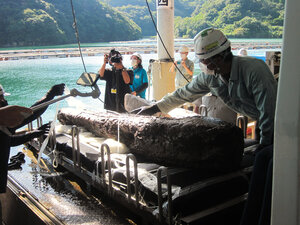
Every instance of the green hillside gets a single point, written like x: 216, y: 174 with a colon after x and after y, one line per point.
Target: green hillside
x: 49, y: 22
x: 237, y: 18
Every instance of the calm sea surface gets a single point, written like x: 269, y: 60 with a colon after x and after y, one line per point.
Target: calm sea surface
x: 29, y: 80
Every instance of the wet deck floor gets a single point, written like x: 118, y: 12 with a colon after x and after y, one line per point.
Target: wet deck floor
x: 66, y: 196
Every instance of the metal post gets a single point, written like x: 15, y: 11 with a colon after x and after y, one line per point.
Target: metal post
x: 159, y: 192
x: 132, y: 157
x: 105, y: 147
x: 76, y: 150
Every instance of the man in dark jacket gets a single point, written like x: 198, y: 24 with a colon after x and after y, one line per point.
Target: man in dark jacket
x: 118, y: 79
x: 9, y: 138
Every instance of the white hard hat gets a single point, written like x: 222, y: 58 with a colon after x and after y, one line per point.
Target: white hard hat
x: 184, y: 48
x: 242, y: 52
x: 137, y: 55
x: 2, y: 92
x: 210, y: 42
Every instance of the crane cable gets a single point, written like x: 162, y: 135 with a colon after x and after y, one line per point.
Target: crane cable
x: 77, y: 34
x: 163, y: 42
x: 78, y: 41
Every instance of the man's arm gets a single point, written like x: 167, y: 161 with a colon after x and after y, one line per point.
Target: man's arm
x: 141, y: 88
x: 125, y: 73
x: 102, y: 68
x: 172, y: 68
x: 192, y: 91
x: 55, y: 90
x: 18, y: 139
x: 188, y: 70
x: 144, y: 84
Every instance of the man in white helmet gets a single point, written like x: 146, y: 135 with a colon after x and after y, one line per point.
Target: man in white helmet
x: 185, y: 71
x: 247, y: 86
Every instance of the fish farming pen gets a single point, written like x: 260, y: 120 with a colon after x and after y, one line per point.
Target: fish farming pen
x: 125, y: 48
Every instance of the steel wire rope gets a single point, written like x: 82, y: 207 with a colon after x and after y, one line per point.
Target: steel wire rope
x: 77, y: 34
x: 78, y: 42
x: 154, y: 24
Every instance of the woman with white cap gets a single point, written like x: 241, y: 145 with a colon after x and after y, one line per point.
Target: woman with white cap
x: 140, y: 80
x: 185, y: 71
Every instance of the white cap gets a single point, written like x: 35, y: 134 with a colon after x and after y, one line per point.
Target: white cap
x: 210, y: 42
x: 242, y: 52
x: 184, y: 48
x: 137, y: 55
x: 2, y: 92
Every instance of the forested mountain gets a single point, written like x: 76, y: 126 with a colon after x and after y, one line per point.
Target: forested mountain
x: 237, y: 18
x: 48, y: 22
x: 137, y: 10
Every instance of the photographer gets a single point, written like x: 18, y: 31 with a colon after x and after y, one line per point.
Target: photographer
x: 117, y: 80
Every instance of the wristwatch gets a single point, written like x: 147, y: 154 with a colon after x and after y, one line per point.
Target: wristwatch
x: 124, y: 69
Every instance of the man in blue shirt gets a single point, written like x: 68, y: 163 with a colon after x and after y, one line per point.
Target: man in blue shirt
x: 140, y: 80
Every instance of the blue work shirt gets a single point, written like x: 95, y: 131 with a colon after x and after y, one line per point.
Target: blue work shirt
x: 139, y: 78
x: 251, y: 91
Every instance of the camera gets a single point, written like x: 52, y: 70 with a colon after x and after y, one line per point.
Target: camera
x: 114, y: 56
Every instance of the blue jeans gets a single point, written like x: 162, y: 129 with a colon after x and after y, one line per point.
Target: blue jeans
x: 258, y: 205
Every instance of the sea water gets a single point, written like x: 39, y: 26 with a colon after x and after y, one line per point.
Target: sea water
x: 29, y: 80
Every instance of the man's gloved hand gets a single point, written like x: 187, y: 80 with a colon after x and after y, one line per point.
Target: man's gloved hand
x: 44, y: 129
x: 56, y: 90
x: 146, y: 110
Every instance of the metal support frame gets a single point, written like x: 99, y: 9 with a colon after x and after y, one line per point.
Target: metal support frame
x: 39, y: 121
x: 105, y: 147
x: 96, y: 175
x: 132, y: 157
x: 159, y: 193
x: 30, y: 126
x: 76, y: 151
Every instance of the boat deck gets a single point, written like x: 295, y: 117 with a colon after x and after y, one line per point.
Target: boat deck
x: 52, y: 197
